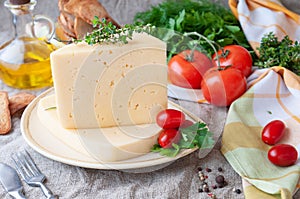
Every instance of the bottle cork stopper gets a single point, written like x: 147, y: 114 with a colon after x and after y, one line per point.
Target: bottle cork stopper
x: 19, y: 2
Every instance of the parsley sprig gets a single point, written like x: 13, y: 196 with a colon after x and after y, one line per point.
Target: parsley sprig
x: 193, y: 136
x: 106, y: 32
x: 273, y: 52
x: 206, y: 17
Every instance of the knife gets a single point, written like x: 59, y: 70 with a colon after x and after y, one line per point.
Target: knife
x: 11, y: 181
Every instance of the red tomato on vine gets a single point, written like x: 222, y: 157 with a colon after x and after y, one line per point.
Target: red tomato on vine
x: 235, y: 56
x: 222, y: 87
x: 187, y: 68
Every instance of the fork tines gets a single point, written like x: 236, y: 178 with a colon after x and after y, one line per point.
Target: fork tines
x: 31, y: 174
x: 25, y: 165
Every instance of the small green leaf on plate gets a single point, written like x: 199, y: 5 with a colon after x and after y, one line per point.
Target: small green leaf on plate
x: 193, y: 136
x: 50, y: 108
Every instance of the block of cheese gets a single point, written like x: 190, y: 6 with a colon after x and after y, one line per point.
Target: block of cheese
x: 107, y: 85
x: 102, y: 144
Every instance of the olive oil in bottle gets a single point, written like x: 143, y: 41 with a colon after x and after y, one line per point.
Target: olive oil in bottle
x: 25, y: 63
x: 25, y: 59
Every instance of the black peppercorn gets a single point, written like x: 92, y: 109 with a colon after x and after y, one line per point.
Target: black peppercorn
x: 220, y: 169
x: 238, y: 191
x: 220, y: 179
x: 208, y: 169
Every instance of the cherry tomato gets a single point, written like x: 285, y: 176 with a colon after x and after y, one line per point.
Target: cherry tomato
x: 186, y: 70
x: 168, y: 136
x: 283, y: 155
x: 273, y: 132
x: 222, y: 87
x: 170, y: 119
x: 235, y: 56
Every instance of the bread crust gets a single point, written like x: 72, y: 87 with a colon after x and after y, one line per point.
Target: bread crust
x: 65, y: 28
x: 5, y: 119
x: 75, y: 19
x: 87, y: 10
x: 19, y: 101
x: 81, y: 28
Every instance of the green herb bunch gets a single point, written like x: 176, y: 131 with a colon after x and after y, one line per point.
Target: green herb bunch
x: 106, y: 32
x: 205, y: 17
x: 273, y: 52
x: 193, y: 136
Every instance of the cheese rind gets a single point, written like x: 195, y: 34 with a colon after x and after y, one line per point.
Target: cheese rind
x: 110, y: 85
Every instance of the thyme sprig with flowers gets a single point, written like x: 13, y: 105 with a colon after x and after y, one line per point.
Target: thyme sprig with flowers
x: 106, y: 32
x: 274, y: 52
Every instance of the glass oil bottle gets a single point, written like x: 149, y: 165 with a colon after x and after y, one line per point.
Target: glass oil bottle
x: 25, y: 59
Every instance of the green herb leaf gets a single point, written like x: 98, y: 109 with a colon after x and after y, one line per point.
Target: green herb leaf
x: 156, y: 148
x: 172, y: 152
x: 193, y: 136
x: 233, y: 29
x: 50, y: 108
x: 283, y: 53
x: 207, y: 18
x: 106, y: 32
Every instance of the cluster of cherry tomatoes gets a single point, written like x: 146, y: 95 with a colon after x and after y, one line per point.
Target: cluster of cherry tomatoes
x: 280, y: 154
x: 170, y: 120
x: 222, y: 80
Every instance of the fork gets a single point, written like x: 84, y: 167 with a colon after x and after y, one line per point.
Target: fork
x: 31, y: 173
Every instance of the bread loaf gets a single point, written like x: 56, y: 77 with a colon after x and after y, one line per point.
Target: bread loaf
x: 75, y: 19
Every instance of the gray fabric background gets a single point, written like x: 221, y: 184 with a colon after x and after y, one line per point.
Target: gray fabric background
x: 178, y: 180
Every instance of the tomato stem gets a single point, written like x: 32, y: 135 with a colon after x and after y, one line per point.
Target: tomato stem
x: 224, y: 53
x: 190, y: 57
x: 208, y: 41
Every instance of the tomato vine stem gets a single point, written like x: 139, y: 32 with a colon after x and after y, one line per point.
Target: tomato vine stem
x: 208, y: 41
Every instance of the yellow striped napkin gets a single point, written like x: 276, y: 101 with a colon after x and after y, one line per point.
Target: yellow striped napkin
x: 258, y: 17
x: 274, y: 95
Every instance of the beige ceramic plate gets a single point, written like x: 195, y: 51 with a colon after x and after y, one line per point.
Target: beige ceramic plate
x: 49, y: 145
